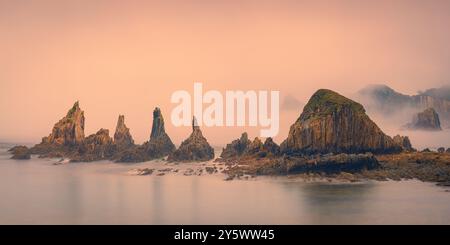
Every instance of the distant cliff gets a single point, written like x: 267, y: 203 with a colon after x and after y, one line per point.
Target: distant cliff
x: 383, y: 99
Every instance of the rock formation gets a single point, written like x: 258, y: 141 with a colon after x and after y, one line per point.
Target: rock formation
x: 194, y: 148
x: 441, y: 150
x: 426, y: 120
x: 67, y: 134
x: 236, y: 148
x: 245, y: 147
x: 20, y: 152
x: 404, y: 142
x: 98, y: 146
x: 122, y: 137
x: 159, y: 145
x: 332, y: 123
x: 271, y: 147
x: 254, y: 147
x: 69, y: 130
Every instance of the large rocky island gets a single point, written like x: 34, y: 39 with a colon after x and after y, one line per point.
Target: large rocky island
x: 334, y: 137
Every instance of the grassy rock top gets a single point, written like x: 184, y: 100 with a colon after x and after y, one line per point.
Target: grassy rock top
x: 325, y: 102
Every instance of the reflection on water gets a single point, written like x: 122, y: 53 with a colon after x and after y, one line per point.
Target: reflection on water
x: 36, y: 192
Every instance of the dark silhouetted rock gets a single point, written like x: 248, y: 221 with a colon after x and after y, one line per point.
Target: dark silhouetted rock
x: 122, y: 137
x: 194, y: 148
x: 448, y: 150
x: 332, y: 123
x: 426, y: 120
x: 20, y: 152
x: 236, y: 148
x: 426, y: 150
x: 441, y: 150
x: 271, y: 147
x: 254, y: 147
x: 159, y: 145
x: 404, y: 142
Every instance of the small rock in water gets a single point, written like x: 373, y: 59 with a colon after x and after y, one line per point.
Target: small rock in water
x: 441, y: 149
x: 210, y: 170
x: 139, y: 171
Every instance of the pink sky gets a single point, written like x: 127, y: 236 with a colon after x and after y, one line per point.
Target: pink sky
x: 119, y: 57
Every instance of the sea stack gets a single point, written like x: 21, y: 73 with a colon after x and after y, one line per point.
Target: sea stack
x: 122, y: 136
x: 243, y: 147
x: 332, y: 123
x: 67, y: 134
x: 194, y: 148
x: 160, y: 144
x: 425, y: 120
x: 69, y: 130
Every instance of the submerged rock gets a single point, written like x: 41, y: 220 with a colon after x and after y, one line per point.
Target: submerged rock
x: 332, y: 123
x: 20, y: 152
x: 194, y: 148
x: 426, y: 120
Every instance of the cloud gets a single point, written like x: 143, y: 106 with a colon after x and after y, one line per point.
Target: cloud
x: 290, y: 103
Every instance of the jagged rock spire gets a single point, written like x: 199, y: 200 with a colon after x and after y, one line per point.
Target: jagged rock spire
x: 122, y: 136
x: 194, y: 148
x: 158, y: 124
x: 69, y: 130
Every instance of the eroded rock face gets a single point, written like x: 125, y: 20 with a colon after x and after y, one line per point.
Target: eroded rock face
x: 332, y: 123
x: 426, y: 120
x: 98, y: 146
x: 245, y: 147
x: 160, y: 143
x: 194, y: 148
x: 254, y: 147
x: 67, y: 134
x: 271, y: 147
x: 20, y: 152
x: 404, y: 142
x: 122, y: 136
x: 236, y: 148
x: 69, y: 130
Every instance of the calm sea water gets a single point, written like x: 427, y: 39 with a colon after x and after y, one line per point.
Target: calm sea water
x: 38, y: 192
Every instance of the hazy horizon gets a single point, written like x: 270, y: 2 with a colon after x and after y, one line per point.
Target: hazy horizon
x: 128, y: 58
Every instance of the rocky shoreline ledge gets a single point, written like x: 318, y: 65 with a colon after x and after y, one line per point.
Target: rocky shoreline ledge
x: 332, y: 138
